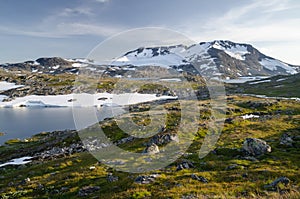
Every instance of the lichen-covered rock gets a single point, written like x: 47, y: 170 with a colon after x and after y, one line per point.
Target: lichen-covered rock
x: 256, y: 147
x: 151, y: 149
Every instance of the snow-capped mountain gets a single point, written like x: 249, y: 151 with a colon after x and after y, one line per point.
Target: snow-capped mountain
x: 218, y: 58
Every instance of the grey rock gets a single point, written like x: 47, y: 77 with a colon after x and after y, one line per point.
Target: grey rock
x: 274, y: 185
x: 191, y: 196
x: 256, y: 147
x: 25, y: 181
x: 125, y: 140
x: 234, y: 166
x: 111, y: 178
x: 152, y: 149
x: 146, y: 179
x: 199, y: 178
x: 85, y: 191
x: 286, y: 140
x: 185, y: 164
x: 164, y: 138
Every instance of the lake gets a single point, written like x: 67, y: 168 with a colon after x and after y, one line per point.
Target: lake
x: 25, y: 122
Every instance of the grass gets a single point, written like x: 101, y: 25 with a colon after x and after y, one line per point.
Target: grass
x: 64, y: 177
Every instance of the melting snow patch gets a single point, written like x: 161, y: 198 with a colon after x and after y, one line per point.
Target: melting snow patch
x: 2, y: 97
x: 79, y: 65
x: 56, y: 67
x: 4, y: 86
x: 17, y: 161
x: 282, y: 79
x: 237, y: 52
x: 273, y: 64
x: 171, y: 80
x: 82, y: 100
x: 249, y: 116
x: 258, y: 82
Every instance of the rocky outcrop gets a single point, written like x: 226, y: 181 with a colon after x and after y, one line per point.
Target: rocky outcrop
x: 53, y: 61
x: 256, y: 147
x: 57, y: 152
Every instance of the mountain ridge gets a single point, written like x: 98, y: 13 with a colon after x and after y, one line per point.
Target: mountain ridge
x: 219, y: 58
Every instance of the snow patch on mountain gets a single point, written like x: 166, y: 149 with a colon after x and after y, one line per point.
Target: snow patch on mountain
x: 150, y: 56
x: 4, y: 86
x: 273, y: 65
x: 236, y: 51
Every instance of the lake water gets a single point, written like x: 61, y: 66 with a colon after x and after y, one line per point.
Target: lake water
x: 25, y: 122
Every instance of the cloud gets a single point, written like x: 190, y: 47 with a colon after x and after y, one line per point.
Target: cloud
x: 65, y: 30
x: 250, y: 23
x: 88, y: 29
x: 71, y: 12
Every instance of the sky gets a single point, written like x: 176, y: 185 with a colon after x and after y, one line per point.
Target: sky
x: 30, y: 29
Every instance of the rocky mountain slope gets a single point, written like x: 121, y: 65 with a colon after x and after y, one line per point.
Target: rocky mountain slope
x: 216, y: 58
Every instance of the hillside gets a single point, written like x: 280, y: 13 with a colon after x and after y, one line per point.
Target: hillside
x: 60, y: 166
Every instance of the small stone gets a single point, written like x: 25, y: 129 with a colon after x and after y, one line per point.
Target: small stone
x: 234, y: 166
x: 286, y: 140
x: 199, y: 178
x: 245, y: 175
x: 111, y: 178
x: 64, y: 189
x: 40, y: 186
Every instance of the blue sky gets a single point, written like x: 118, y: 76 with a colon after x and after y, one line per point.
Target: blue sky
x: 30, y: 29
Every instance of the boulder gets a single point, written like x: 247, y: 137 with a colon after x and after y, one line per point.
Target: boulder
x: 256, y: 147
x: 152, y: 149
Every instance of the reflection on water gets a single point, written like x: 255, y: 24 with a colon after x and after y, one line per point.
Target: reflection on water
x: 25, y: 122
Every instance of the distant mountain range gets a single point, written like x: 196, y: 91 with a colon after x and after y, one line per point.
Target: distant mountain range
x: 221, y: 59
